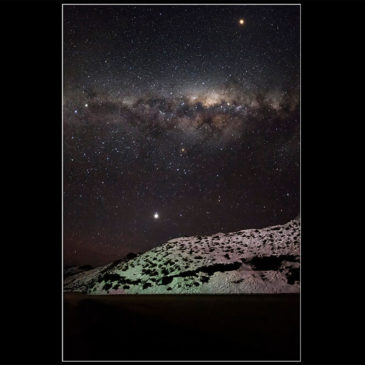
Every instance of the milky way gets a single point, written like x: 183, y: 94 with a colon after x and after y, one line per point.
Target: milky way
x: 177, y: 111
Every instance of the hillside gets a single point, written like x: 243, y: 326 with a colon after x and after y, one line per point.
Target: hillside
x: 250, y: 261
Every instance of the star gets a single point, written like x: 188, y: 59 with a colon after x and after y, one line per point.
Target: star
x: 208, y: 138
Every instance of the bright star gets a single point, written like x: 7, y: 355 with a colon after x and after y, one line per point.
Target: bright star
x: 156, y: 216
x: 242, y: 21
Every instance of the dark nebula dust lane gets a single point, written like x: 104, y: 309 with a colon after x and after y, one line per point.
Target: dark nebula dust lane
x: 177, y: 120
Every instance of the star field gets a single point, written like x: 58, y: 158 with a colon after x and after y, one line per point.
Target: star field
x: 177, y: 120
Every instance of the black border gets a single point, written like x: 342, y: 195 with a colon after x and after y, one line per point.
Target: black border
x: 332, y: 41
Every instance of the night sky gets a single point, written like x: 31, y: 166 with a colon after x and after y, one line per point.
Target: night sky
x: 180, y: 111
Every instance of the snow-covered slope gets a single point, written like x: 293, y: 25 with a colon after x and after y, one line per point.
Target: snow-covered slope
x: 249, y: 261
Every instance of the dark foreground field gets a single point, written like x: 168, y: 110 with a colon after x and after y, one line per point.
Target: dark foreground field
x: 178, y: 327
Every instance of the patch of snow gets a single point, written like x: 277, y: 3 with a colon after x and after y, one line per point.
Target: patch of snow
x: 248, y: 261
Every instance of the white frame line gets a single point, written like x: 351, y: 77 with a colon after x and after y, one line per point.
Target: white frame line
x: 300, y: 178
